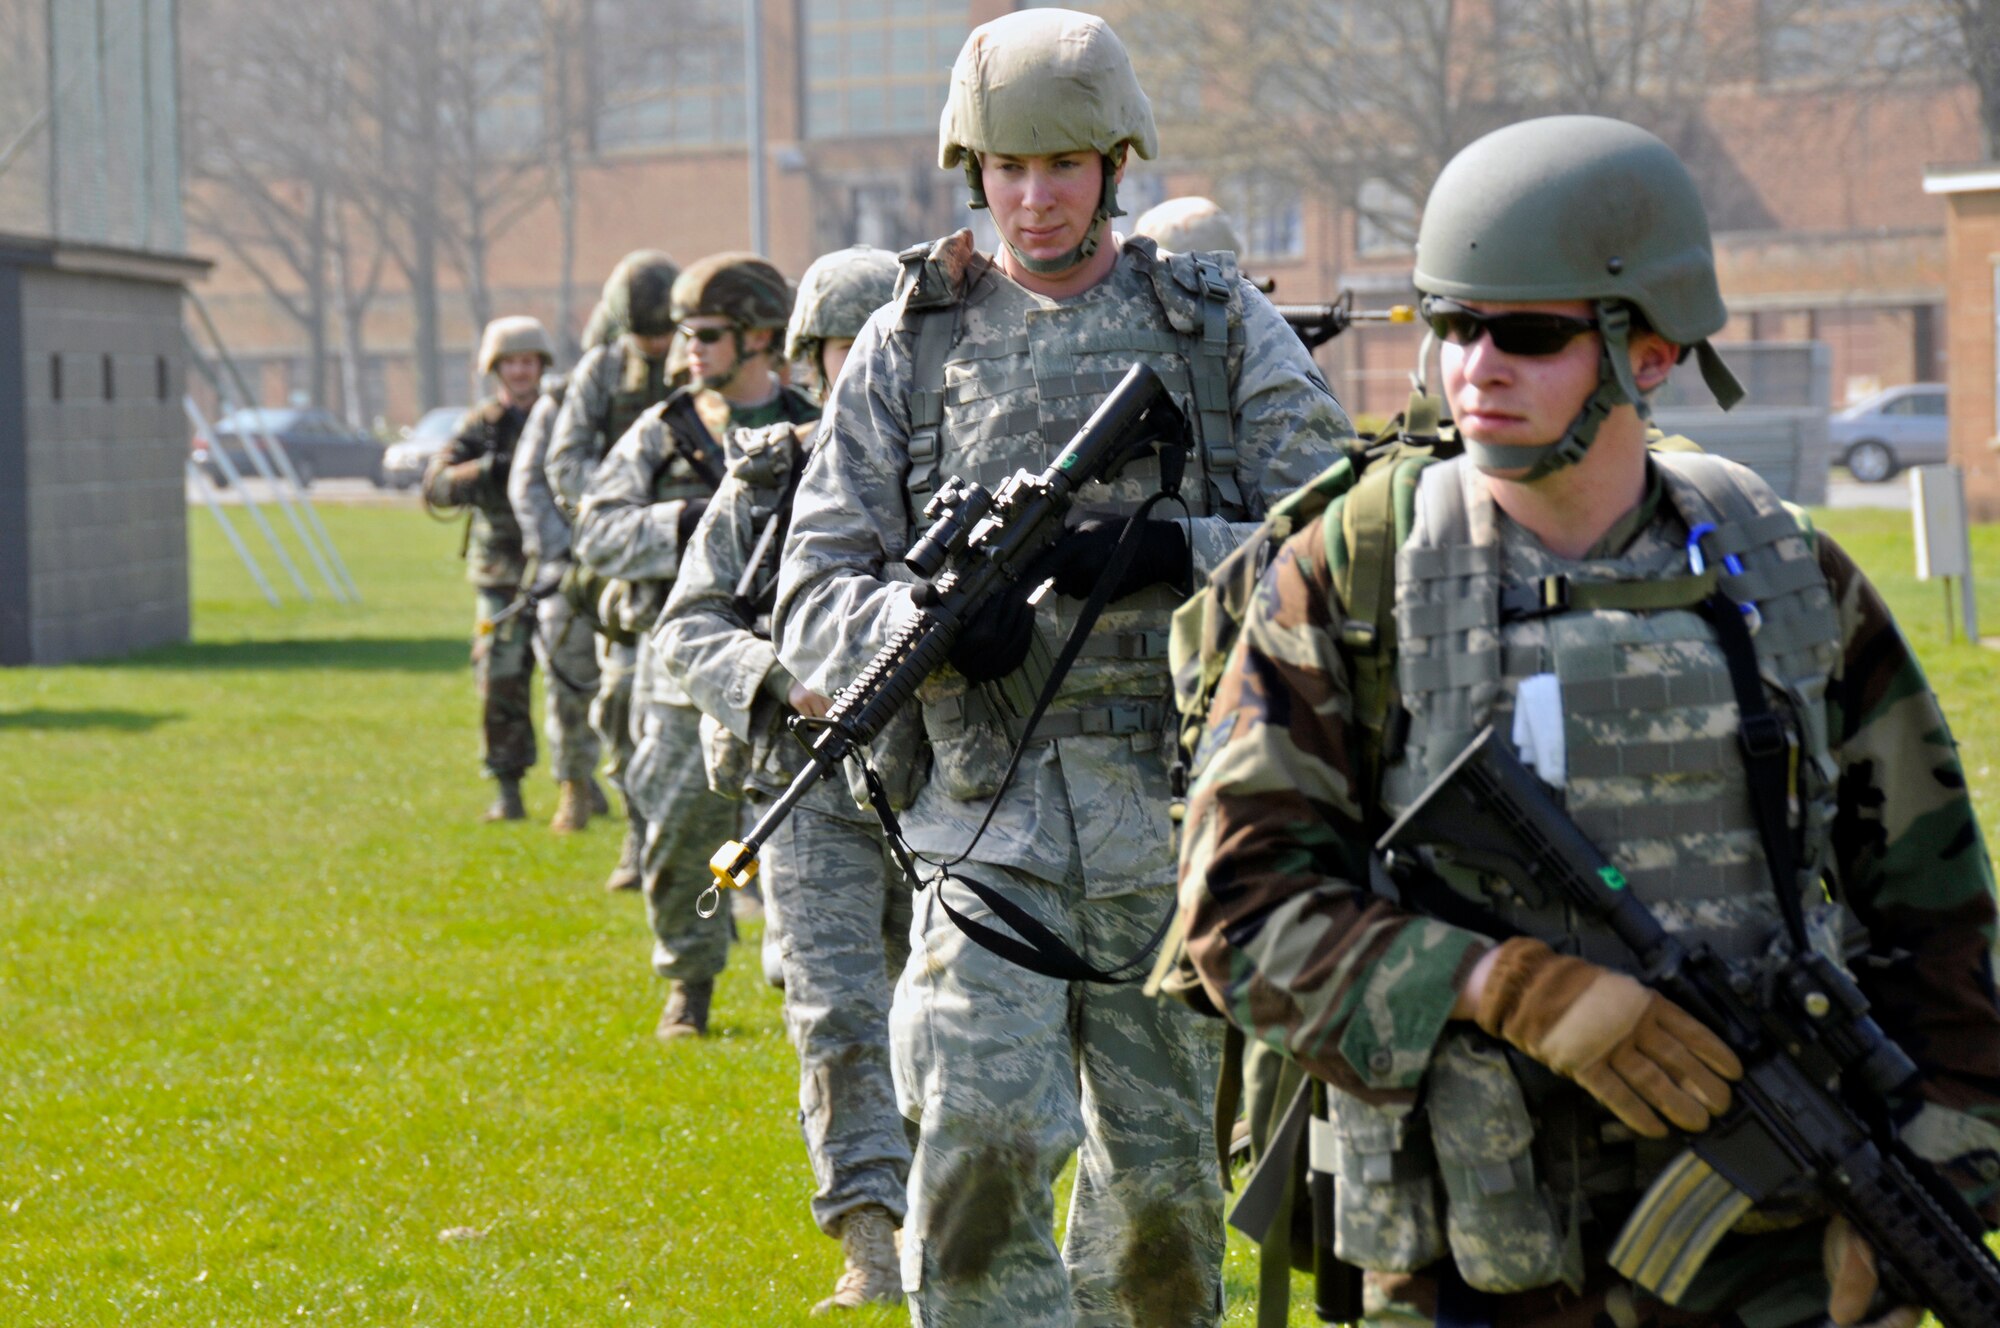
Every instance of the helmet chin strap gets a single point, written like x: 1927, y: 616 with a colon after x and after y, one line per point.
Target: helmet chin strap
x: 1093, y: 239
x: 1615, y: 388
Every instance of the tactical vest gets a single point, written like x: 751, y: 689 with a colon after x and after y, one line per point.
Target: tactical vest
x: 1500, y: 1176
x: 1002, y: 379
x: 642, y: 384
x: 493, y: 549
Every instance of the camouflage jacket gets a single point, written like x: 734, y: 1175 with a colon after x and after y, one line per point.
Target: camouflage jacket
x: 471, y: 472
x: 592, y: 419
x: 1021, y: 372
x: 717, y: 644
x: 1293, y: 946
x: 544, y: 528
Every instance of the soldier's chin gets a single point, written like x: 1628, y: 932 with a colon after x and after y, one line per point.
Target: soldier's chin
x: 717, y: 381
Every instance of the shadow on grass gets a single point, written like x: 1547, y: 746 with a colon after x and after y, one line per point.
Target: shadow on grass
x: 127, y: 721
x: 392, y: 654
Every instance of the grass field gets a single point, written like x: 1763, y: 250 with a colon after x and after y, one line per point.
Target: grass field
x: 289, y: 1036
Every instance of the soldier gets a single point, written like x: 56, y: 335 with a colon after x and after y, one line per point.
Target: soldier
x: 985, y: 364
x: 1188, y: 225
x: 611, y: 386
x: 636, y: 516
x: 565, y: 645
x: 471, y: 472
x: 1567, y: 268
x: 828, y: 874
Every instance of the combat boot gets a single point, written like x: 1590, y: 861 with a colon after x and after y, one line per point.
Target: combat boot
x: 507, y: 803
x: 686, y: 1014
x: 572, y: 807
x: 599, y: 804
x: 872, y: 1275
x: 625, y: 876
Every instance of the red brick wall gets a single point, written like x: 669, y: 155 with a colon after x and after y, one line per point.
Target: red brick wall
x: 1973, y: 241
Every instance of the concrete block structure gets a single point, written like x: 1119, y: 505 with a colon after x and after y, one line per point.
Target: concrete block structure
x: 93, y: 448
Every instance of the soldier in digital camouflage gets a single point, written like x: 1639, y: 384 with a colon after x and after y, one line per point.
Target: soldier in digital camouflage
x: 471, y: 472
x: 637, y: 514
x: 838, y: 915
x: 612, y: 385
x: 985, y: 364
x: 1499, y: 1105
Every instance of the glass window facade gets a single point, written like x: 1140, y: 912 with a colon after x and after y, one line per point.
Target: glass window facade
x: 668, y: 84
x: 877, y: 67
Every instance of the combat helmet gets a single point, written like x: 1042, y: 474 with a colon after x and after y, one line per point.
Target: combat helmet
x: 514, y: 335
x: 1188, y: 225
x: 836, y: 295
x: 1041, y: 81
x: 638, y: 295
x: 742, y: 287
x: 1579, y: 207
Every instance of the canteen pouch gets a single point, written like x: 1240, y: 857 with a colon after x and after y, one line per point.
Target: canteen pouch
x: 1385, y: 1208
x: 1503, y: 1226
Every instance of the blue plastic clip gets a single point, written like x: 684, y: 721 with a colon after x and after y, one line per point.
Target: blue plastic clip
x: 1698, y: 563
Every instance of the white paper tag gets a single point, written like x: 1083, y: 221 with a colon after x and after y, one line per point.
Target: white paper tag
x: 1538, y: 728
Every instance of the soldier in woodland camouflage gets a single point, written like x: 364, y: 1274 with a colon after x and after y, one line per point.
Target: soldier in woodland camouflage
x: 565, y: 646
x: 635, y: 519
x: 1500, y: 1101
x: 828, y: 875
x: 471, y: 471
x: 983, y: 365
x: 611, y: 386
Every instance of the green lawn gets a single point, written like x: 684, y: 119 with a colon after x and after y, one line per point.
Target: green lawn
x: 280, y: 1014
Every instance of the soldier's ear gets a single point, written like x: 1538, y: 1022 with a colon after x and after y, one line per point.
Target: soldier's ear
x: 1653, y: 358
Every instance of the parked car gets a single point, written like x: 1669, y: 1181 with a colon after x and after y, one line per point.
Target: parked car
x: 403, y: 464
x: 1898, y: 427
x: 319, y: 443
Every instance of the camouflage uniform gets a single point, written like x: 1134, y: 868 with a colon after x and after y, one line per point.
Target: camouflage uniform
x: 845, y: 906
x: 567, y: 649
x: 628, y: 528
x: 1292, y: 944
x: 1009, y: 1073
x: 471, y: 472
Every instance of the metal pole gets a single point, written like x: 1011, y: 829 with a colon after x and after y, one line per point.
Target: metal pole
x: 235, y: 477
x: 254, y: 447
x: 198, y: 478
x: 284, y: 460
x: 753, y: 80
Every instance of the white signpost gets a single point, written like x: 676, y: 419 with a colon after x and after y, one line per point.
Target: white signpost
x: 1944, y: 545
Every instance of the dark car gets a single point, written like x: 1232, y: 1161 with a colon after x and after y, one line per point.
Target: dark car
x: 320, y: 445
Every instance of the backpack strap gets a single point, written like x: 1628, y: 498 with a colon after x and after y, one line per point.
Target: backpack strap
x: 928, y: 297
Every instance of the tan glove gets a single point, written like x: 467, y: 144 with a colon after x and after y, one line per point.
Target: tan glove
x: 1851, y: 1277
x: 1634, y: 1050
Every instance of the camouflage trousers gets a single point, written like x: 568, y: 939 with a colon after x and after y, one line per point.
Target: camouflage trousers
x: 1007, y: 1074
x: 503, y: 666
x: 666, y: 782
x: 611, y: 710
x: 846, y: 912
x: 567, y: 650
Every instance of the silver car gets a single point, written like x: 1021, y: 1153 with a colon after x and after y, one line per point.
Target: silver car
x: 404, y: 462
x: 1895, y: 428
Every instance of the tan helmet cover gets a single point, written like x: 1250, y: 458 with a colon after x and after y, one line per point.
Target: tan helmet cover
x: 1189, y: 225
x: 836, y: 295
x: 1040, y: 81
x: 514, y: 335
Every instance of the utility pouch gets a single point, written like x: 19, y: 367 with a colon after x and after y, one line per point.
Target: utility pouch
x: 1385, y: 1208
x: 1504, y: 1230
x: 726, y: 757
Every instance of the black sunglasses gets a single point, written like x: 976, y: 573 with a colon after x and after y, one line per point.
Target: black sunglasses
x: 707, y: 336
x: 1515, y: 334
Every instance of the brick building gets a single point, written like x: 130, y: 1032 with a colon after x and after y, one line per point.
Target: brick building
x: 1823, y: 228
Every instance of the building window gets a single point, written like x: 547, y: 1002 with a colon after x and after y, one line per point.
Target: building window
x: 1385, y: 221
x: 1810, y: 40
x: 878, y: 67
x: 1271, y: 215
x: 668, y: 80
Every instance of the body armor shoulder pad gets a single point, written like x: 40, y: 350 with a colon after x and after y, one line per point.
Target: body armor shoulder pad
x: 933, y: 274
x: 1188, y: 283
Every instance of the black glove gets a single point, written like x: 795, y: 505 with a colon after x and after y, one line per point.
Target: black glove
x: 690, y: 517
x: 1081, y: 555
x: 995, y: 639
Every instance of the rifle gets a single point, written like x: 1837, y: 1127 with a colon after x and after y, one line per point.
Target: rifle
x: 978, y: 544
x: 1816, y: 1110
x: 1318, y: 324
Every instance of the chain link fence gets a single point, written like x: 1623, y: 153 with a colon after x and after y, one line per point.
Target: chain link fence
x: 89, y: 130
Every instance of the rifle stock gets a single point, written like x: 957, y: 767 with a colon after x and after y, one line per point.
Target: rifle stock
x: 1822, y: 1083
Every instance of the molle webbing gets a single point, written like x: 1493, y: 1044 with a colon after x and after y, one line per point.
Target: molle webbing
x: 1208, y: 367
x: 933, y: 342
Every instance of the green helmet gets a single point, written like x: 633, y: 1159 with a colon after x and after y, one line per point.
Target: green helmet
x: 1042, y: 81
x: 1189, y: 225
x: 836, y: 295
x: 744, y: 288
x: 638, y: 293
x: 1578, y: 207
